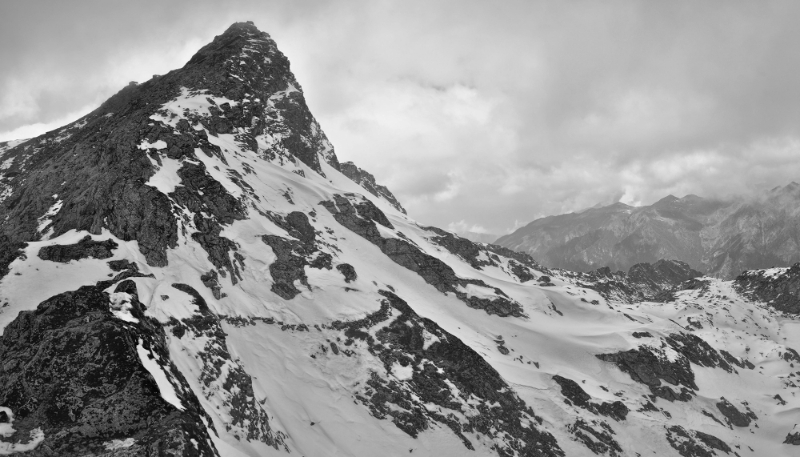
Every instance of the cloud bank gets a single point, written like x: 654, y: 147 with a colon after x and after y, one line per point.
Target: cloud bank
x: 475, y: 114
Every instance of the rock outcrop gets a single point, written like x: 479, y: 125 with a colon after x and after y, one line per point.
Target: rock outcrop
x: 367, y: 181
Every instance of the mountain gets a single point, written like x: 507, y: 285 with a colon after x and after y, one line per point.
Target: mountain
x: 367, y: 181
x: 189, y: 271
x: 717, y: 237
x: 478, y: 237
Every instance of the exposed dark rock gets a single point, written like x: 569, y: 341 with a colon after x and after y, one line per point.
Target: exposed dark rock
x: 649, y: 366
x: 123, y: 264
x: 733, y: 415
x: 600, y: 442
x: 462, y: 247
x: 288, y: 267
x: 741, y: 363
x: 793, y: 439
x: 347, y: 271
x: 446, y: 361
x: 72, y: 369
x: 642, y: 335
x: 106, y: 172
x: 697, y: 351
x: 294, y: 255
x: 367, y: 181
x: 220, y: 369
x: 83, y: 249
x: 663, y: 275
x: 644, y: 281
x: 361, y: 217
x: 211, y: 280
x: 692, y: 443
x: 780, y: 291
x: 577, y: 396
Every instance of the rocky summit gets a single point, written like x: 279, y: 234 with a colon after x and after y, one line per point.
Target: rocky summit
x: 190, y: 271
x: 717, y: 237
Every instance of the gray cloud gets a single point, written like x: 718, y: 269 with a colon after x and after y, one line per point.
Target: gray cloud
x: 475, y: 114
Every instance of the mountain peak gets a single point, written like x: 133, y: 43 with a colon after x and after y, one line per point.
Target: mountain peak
x: 668, y: 199
x: 241, y: 38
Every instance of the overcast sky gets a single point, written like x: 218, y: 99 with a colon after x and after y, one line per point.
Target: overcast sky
x: 477, y: 115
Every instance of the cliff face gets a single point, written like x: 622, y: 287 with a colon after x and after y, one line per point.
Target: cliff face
x: 96, y: 170
x: 367, y: 181
x: 720, y: 238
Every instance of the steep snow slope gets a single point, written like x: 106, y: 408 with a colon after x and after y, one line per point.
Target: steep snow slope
x: 279, y: 308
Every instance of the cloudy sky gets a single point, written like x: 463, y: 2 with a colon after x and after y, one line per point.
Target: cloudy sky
x: 478, y: 115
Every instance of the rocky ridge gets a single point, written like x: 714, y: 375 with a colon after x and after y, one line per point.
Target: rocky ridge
x: 716, y: 237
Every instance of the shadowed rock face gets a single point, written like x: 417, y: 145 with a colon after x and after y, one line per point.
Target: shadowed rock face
x: 367, y: 181
x: 720, y: 238
x: 780, y: 290
x: 85, y: 248
x: 643, y: 281
x: 479, y: 388
x: 98, y: 167
x: 650, y: 365
x: 693, y: 443
x: 573, y: 392
x: 361, y: 217
x: 72, y: 370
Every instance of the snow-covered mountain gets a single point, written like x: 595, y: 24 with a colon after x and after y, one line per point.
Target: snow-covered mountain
x: 188, y: 270
x: 720, y: 238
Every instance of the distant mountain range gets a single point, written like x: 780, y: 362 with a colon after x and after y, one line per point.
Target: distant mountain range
x: 717, y: 237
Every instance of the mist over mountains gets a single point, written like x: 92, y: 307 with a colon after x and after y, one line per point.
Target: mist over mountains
x: 717, y: 237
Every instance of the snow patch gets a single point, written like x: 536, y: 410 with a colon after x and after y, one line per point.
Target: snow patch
x: 119, y: 444
x: 166, y: 178
x: 402, y: 372
x: 164, y: 386
x: 121, y: 307
x: 45, y: 220
x: 7, y: 430
x: 160, y: 144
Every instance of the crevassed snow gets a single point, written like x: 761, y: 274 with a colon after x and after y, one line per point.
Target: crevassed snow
x: 164, y: 386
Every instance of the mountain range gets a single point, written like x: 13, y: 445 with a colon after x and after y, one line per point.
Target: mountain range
x: 189, y: 270
x: 717, y: 237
